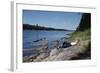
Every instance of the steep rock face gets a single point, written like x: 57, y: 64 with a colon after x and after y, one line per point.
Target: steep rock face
x: 85, y: 22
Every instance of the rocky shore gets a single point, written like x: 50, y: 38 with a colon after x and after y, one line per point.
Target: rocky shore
x: 76, y: 52
x: 60, y: 54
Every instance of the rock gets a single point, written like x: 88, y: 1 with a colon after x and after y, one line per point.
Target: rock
x: 37, y: 60
x: 43, y: 49
x: 29, y: 58
x: 25, y: 58
x: 57, y: 55
x: 65, y: 55
x: 60, y: 54
x: 41, y: 57
x: 50, y: 58
x: 54, y: 52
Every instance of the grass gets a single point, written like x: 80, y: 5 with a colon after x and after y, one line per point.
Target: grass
x: 85, y: 42
x: 82, y: 35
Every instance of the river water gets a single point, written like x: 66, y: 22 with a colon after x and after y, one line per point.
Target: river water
x: 31, y: 37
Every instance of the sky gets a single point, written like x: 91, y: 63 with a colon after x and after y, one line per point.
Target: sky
x: 60, y: 20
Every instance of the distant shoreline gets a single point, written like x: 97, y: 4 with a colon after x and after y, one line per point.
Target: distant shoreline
x: 37, y: 27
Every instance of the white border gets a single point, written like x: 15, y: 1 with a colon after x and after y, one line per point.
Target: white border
x: 17, y: 37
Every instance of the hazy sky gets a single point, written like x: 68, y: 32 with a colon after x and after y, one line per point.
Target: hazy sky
x: 62, y: 20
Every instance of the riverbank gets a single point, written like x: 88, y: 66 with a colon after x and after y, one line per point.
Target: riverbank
x: 76, y: 52
x: 80, y: 51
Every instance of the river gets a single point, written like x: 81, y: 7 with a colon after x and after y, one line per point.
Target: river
x: 31, y: 36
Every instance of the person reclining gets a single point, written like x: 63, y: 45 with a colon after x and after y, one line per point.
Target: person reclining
x: 67, y: 44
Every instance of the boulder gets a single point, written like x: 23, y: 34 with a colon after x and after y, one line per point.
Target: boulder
x: 54, y: 52
x: 41, y: 57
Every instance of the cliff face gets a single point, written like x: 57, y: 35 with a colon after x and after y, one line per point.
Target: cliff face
x: 85, y: 22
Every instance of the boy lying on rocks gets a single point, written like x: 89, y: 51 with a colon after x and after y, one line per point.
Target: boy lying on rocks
x: 67, y: 44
